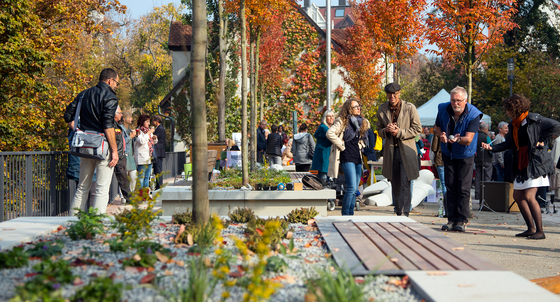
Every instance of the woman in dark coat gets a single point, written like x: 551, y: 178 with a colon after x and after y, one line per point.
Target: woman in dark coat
x: 323, y: 147
x: 532, y: 162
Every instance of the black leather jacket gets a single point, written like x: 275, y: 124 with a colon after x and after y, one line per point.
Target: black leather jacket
x: 98, y: 108
x: 274, y: 144
x: 539, y: 129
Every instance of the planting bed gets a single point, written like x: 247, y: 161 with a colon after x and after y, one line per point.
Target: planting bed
x: 90, y: 259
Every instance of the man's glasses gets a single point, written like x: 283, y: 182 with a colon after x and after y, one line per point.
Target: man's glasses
x: 458, y: 101
x: 116, y: 82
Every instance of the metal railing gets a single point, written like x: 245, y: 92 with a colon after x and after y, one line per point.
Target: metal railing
x: 35, y: 183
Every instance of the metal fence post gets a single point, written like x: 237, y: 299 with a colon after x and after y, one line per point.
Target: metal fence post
x: 2, y: 189
x: 29, y: 185
x: 53, y: 182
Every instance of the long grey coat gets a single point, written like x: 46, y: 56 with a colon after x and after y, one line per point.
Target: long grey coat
x: 409, y: 127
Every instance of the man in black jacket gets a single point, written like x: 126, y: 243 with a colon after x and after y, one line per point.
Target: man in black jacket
x: 160, y: 149
x: 97, y: 113
x: 479, y: 165
x: 261, y: 141
x: 274, y: 147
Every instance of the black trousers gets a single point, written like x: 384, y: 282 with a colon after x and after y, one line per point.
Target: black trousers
x: 158, y: 167
x: 260, y: 156
x: 303, y: 167
x: 458, y: 180
x: 400, y: 185
x: 122, y: 177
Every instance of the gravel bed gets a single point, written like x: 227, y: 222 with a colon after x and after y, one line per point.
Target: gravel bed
x: 169, y: 276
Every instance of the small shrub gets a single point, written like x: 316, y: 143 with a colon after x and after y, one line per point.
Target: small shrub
x: 118, y: 245
x: 276, y: 264
x: 204, y: 235
x: 13, y: 259
x: 336, y: 287
x: 58, y: 271
x: 99, y: 289
x: 302, y: 215
x: 182, y: 218
x: 46, y: 249
x: 200, y: 286
x: 142, y: 258
x: 89, y: 224
x: 242, y: 215
x: 255, y: 231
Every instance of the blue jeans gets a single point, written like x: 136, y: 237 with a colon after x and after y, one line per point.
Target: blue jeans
x: 500, y: 172
x: 352, y: 173
x: 144, y: 172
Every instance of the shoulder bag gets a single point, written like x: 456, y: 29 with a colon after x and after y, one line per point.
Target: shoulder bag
x: 88, y: 144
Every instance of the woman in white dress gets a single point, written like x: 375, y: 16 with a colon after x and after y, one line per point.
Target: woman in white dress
x: 532, y: 162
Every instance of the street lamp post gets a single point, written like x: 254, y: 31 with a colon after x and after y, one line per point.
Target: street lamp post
x: 510, y: 74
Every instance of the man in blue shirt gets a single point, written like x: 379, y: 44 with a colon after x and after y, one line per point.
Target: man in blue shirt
x: 457, y: 127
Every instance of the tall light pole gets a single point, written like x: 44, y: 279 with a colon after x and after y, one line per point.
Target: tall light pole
x: 328, y: 54
x: 510, y: 74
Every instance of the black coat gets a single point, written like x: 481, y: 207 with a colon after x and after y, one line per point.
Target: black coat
x: 261, y: 140
x: 539, y: 129
x: 160, y: 146
x: 274, y: 144
x: 98, y: 108
x: 482, y: 138
x: 368, y: 150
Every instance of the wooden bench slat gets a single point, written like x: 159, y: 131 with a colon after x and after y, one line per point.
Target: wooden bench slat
x: 451, y: 258
x: 409, y: 253
x: 476, y: 261
x: 383, y: 244
x: 417, y: 248
x: 370, y: 255
x: 342, y: 253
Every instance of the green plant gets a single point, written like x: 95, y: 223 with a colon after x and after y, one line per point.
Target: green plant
x: 276, y: 264
x: 142, y: 258
x: 182, y: 218
x: 337, y: 287
x: 99, y: 289
x: 241, y: 215
x: 232, y: 178
x: 46, y: 286
x: 45, y: 249
x: 255, y: 232
x: 136, y: 222
x: 302, y: 215
x: 204, y: 235
x: 89, y: 224
x: 200, y: 286
x: 14, y: 258
x: 58, y: 271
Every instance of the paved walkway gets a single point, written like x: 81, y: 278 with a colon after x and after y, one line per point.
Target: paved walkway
x: 492, y: 236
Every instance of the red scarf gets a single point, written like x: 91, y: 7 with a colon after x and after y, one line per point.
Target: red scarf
x: 516, y: 123
x: 150, y: 141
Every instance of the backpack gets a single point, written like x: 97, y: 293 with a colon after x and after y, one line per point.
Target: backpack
x: 312, y: 181
x: 378, y: 142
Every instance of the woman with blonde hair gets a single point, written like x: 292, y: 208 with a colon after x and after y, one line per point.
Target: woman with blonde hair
x: 348, y: 135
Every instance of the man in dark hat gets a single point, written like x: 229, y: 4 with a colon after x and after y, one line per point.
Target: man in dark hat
x: 398, y: 123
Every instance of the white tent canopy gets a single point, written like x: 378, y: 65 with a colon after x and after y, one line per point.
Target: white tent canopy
x: 428, y: 112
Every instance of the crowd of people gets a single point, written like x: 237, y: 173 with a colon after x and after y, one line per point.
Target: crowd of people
x: 134, y: 150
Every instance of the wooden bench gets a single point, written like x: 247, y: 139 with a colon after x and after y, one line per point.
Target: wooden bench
x: 395, y: 247
x: 212, y: 154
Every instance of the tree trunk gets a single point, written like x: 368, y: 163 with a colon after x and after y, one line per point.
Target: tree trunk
x: 469, y: 71
x: 244, y: 157
x: 222, y: 79
x: 257, y: 66
x: 261, y: 89
x: 198, y: 100
x: 386, y: 69
x: 253, y: 126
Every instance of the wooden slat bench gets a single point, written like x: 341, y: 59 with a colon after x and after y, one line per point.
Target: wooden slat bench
x: 395, y: 247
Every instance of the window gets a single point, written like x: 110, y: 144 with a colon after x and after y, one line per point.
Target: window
x: 339, y: 13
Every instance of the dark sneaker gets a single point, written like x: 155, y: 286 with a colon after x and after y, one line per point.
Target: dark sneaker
x: 449, y: 226
x: 460, y: 227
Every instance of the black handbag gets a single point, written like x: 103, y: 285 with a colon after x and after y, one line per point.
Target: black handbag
x: 88, y: 144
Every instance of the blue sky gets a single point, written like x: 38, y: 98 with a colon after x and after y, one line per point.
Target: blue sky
x: 138, y: 8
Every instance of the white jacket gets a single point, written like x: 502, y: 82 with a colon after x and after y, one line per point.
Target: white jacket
x: 142, y: 149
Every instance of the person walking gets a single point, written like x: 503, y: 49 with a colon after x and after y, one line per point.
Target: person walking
x: 348, y: 135
x: 120, y: 168
x: 479, y: 164
x: 303, y: 147
x: 323, y: 148
x: 398, y: 123
x: 274, y: 147
x: 159, y: 149
x: 143, y: 149
x: 287, y: 154
x: 532, y: 162
x: 498, y: 157
x: 97, y: 114
x: 283, y: 134
x: 130, y: 162
x: 261, y: 141
x: 459, y: 120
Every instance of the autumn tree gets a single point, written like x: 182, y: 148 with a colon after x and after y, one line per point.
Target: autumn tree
x: 44, y: 44
x: 464, y: 30
x: 361, y: 71
x: 397, y: 27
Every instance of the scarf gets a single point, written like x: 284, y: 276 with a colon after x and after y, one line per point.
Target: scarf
x: 516, y: 124
x: 395, y: 111
x: 353, y: 127
x: 150, y: 141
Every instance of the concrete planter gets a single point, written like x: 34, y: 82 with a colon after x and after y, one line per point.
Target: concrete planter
x: 176, y: 199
